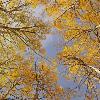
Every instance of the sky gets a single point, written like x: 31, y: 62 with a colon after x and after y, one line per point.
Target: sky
x: 51, y: 44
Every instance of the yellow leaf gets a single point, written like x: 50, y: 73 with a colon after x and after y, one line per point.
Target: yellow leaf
x: 33, y: 3
x: 53, y: 9
x: 3, y: 80
x: 74, y: 69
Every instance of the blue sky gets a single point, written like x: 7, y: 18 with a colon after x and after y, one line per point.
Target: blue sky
x: 51, y: 44
x: 52, y: 50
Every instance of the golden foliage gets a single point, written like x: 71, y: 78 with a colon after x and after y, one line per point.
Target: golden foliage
x: 21, y: 33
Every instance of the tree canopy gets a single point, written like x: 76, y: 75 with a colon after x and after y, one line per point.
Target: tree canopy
x: 23, y: 75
